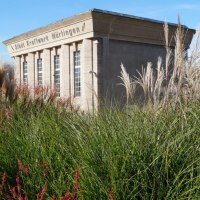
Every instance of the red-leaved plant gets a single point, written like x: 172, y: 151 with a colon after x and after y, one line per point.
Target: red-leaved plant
x: 19, y: 193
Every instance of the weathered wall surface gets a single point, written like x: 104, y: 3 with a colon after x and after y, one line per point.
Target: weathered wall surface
x: 88, y: 75
x: 133, y: 56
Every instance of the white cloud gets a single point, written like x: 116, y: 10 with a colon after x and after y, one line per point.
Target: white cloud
x: 189, y: 6
x: 157, y: 11
x: 150, y: 12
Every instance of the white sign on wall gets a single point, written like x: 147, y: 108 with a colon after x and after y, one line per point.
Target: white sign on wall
x: 49, y: 37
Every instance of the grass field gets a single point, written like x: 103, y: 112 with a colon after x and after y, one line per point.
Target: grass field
x: 135, y: 154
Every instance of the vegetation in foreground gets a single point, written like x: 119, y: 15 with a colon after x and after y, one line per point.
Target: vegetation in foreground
x: 133, y: 154
x: 139, y: 152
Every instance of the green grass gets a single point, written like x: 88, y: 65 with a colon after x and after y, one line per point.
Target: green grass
x: 137, y: 153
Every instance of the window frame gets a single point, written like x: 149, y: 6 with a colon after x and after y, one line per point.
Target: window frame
x: 77, y: 74
x: 39, y: 72
x: 25, y: 72
x: 57, y: 74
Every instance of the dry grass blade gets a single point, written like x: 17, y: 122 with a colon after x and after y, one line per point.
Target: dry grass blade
x: 166, y: 88
x: 2, y: 76
x: 146, y: 80
x: 195, y: 50
x: 127, y: 83
x: 157, y: 88
x: 168, y: 50
x: 2, y: 72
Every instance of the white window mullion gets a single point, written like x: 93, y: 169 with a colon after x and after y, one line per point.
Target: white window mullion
x: 77, y: 74
x: 39, y: 68
x: 57, y: 74
x: 25, y: 72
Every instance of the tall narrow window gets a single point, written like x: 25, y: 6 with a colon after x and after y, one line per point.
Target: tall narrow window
x: 39, y: 68
x: 25, y: 72
x: 57, y: 74
x: 77, y: 74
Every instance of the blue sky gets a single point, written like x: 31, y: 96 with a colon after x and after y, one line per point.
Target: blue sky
x: 19, y: 16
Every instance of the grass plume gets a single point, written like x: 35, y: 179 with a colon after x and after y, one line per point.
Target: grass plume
x: 175, y: 80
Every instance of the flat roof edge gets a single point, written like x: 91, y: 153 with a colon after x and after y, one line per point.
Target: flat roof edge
x: 94, y: 10
x: 137, y: 17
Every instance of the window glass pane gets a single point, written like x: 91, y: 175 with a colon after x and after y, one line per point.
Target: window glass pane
x: 25, y: 72
x: 77, y: 74
x: 57, y: 74
x: 39, y: 68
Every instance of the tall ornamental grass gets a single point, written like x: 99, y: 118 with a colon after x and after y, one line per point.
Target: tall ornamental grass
x: 138, y: 154
x: 175, y: 79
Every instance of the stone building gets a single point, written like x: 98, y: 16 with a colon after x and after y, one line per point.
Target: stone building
x: 80, y: 56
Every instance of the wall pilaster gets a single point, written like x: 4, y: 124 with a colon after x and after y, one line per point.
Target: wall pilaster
x: 18, y: 69
x: 87, y: 75
x: 46, y: 63
x: 31, y: 70
x: 64, y: 71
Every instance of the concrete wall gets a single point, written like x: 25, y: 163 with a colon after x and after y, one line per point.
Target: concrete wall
x: 100, y: 68
x: 133, y: 56
x: 89, y: 69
